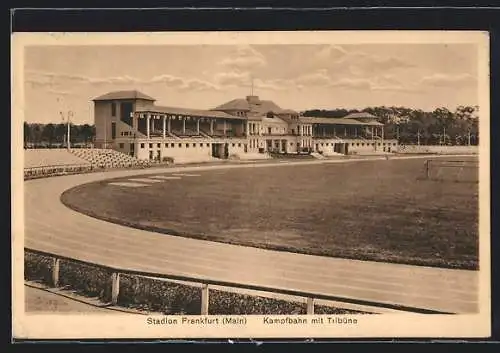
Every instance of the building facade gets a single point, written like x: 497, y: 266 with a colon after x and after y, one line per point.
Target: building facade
x: 130, y: 122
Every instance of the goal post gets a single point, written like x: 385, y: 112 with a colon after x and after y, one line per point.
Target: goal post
x: 460, y: 171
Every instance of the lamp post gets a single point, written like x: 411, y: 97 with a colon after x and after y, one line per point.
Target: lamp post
x: 69, y: 115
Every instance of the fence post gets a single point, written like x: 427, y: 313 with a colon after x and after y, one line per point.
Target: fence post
x: 55, y: 271
x: 310, y: 306
x: 204, y: 299
x: 115, y: 287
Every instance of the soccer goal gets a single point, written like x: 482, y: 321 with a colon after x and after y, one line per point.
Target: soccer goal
x: 459, y: 171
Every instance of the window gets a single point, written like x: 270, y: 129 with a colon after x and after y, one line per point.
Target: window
x: 172, y: 145
x: 357, y: 144
x: 113, y: 130
x: 239, y: 144
x: 142, y: 145
x: 208, y: 145
x: 293, y: 131
x: 150, y: 145
x: 158, y: 145
x: 166, y: 145
x: 180, y: 145
x: 363, y: 144
x: 113, y: 109
x: 194, y: 144
x: 269, y: 130
x: 187, y: 145
x: 394, y: 144
x: 234, y: 145
x: 121, y: 145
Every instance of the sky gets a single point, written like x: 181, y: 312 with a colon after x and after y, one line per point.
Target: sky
x: 299, y: 77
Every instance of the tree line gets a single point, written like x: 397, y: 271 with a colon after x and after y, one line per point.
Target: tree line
x: 38, y: 135
x: 415, y: 126
x: 408, y: 126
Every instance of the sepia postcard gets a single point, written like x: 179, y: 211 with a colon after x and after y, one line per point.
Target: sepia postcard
x: 255, y: 185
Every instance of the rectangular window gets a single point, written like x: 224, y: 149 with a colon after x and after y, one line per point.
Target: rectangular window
x: 113, y: 109
x: 234, y: 145
x: 158, y: 145
x: 172, y: 145
x: 180, y: 145
x: 187, y: 145
x: 208, y: 145
x: 194, y: 144
x: 113, y: 130
x: 239, y: 144
x: 166, y: 145
x: 121, y: 145
x: 142, y: 145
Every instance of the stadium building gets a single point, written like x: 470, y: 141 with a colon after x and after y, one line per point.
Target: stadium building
x: 130, y: 122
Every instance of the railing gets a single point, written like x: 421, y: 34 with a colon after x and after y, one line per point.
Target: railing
x: 53, y: 170
x: 206, y: 283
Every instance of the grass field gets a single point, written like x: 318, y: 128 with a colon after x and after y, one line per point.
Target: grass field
x: 364, y: 210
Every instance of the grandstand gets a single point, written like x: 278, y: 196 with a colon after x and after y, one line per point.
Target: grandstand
x: 34, y: 158
x: 49, y: 162
x: 106, y: 158
x: 249, y: 128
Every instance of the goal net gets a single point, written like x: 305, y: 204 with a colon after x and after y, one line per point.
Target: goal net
x: 459, y: 171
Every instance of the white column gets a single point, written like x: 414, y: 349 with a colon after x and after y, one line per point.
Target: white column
x: 169, y: 126
x: 164, y: 126
x: 198, y: 126
x: 148, y: 125
x: 224, y: 127
x: 211, y: 127
x: 184, y: 125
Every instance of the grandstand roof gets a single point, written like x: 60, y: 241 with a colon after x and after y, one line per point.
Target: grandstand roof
x: 124, y: 95
x: 362, y: 115
x: 193, y: 112
x: 251, y: 104
x: 337, y: 121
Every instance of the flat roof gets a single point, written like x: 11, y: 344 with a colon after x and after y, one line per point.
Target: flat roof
x: 337, y: 121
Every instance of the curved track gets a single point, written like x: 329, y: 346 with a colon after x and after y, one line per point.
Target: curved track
x: 50, y: 226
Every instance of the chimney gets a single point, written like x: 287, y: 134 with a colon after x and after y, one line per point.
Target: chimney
x: 253, y: 100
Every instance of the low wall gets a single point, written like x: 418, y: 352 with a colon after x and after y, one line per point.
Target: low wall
x: 170, y: 297
x: 439, y: 149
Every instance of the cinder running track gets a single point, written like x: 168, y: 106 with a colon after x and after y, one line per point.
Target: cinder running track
x: 52, y: 227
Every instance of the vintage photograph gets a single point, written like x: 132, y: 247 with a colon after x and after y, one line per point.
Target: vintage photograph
x: 294, y: 184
